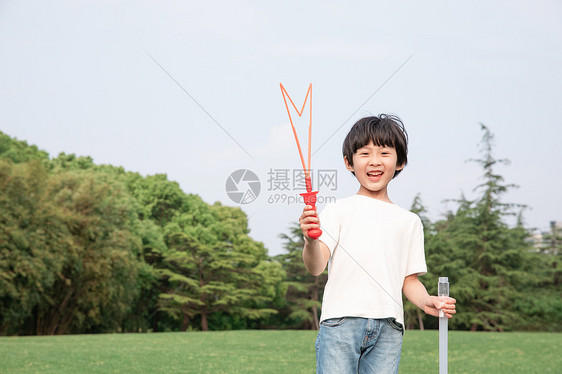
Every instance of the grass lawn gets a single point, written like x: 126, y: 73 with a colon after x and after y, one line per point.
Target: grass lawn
x: 267, y: 352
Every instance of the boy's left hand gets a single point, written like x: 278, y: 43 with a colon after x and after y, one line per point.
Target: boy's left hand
x: 434, y: 304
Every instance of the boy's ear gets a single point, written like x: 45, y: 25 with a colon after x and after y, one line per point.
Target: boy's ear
x: 347, y: 165
x: 400, y: 167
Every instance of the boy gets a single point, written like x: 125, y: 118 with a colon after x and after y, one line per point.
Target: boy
x: 374, y: 250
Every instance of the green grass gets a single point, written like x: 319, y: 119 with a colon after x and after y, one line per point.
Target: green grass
x: 267, y: 352
x: 483, y: 352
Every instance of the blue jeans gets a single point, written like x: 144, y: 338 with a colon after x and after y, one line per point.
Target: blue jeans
x: 358, y: 345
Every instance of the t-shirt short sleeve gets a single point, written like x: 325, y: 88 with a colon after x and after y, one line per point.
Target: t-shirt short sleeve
x: 416, y: 256
x: 329, y: 224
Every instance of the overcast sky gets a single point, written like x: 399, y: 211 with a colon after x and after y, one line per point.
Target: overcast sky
x: 191, y: 89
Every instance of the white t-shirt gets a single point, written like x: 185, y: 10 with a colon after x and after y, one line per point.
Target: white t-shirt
x: 374, y: 245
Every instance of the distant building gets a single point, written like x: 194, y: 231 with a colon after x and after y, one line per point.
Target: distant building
x: 548, y: 241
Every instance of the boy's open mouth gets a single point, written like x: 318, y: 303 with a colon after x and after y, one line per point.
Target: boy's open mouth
x: 374, y: 173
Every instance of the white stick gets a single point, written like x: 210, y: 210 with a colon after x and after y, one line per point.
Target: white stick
x: 443, y: 290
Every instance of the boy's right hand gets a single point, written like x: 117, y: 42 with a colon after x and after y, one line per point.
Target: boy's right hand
x: 309, y: 220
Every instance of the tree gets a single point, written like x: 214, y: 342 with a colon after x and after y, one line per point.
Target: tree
x: 33, y: 235
x: 488, y: 262
x: 213, y: 266
x: 19, y: 151
x: 413, y: 316
x: 98, y: 280
x: 86, y: 248
x: 68, y: 255
x: 158, y: 201
x: 304, y: 291
x: 142, y: 315
x: 541, y: 304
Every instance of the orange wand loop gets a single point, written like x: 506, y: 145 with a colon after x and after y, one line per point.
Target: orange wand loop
x: 309, y: 196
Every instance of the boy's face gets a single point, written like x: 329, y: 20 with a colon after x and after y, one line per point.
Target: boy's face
x: 374, y: 168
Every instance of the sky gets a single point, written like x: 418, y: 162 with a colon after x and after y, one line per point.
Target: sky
x: 191, y: 89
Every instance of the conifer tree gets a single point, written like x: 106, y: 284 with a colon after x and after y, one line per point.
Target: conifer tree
x: 304, y: 291
x: 487, y: 260
x: 413, y: 316
x: 213, y: 267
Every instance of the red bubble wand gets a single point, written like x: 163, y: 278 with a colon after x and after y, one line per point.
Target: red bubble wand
x: 309, y: 196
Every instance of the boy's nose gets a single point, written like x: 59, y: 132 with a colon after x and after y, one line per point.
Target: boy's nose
x: 374, y: 161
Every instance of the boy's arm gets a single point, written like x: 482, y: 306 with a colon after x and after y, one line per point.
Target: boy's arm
x: 315, y: 253
x: 415, y: 291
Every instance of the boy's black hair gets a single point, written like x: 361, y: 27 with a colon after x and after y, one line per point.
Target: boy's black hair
x: 384, y: 130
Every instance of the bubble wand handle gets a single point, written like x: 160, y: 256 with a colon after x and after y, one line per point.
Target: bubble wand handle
x: 443, y: 290
x: 310, y: 199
